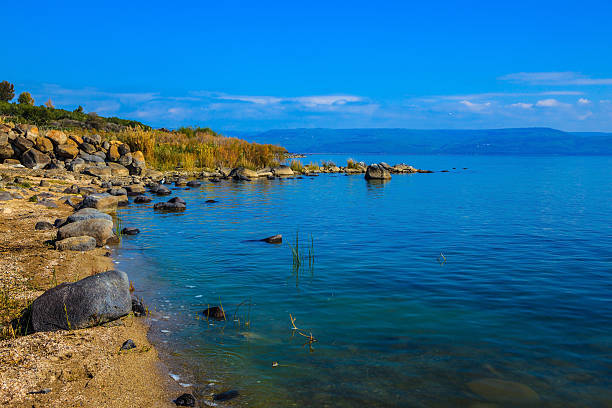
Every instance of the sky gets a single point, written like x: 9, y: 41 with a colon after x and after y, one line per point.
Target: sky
x: 257, y: 65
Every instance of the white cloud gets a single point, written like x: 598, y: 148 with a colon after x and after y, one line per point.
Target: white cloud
x: 309, y: 101
x: 555, y: 78
x: 522, y: 105
x: 475, y: 107
x: 583, y: 101
x: 585, y: 116
x: 549, y: 103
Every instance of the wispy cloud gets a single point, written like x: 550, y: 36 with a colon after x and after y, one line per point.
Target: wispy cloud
x: 549, y: 103
x: 475, y: 107
x: 584, y: 101
x: 522, y: 105
x: 302, y: 100
x: 555, y: 78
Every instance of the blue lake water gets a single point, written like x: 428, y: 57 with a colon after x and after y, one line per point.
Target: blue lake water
x: 419, y: 286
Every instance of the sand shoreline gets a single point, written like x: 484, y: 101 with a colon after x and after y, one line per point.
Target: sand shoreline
x: 81, y: 367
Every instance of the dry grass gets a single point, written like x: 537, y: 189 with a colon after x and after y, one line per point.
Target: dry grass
x: 192, y: 149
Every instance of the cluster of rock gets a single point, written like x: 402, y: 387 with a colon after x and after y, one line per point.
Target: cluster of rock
x: 53, y: 149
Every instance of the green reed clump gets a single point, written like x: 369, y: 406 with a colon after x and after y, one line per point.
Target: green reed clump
x: 301, y: 255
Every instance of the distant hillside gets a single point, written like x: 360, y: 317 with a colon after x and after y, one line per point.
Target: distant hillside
x: 522, y: 141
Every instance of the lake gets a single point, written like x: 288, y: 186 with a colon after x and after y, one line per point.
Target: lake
x: 423, y: 291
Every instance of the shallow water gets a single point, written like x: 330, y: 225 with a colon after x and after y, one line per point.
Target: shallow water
x: 524, y: 293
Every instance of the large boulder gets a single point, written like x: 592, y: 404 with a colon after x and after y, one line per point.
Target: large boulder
x: 57, y: 137
x: 126, y: 159
x: 113, y: 153
x: 6, y: 151
x: 242, y: 173
x: 44, y: 145
x: 66, y: 151
x: 33, y: 159
x: 135, y: 189
x: 118, y: 170
x: 100, y: 201
x: 87, y: 214
x: 21, y: 144
x: 94, y: 140
x: 97, y: 228
x: 89, y: 302
x: 376, y: 172
x: 282, y: 171
x: 98, y: 171
x: 83, y: 243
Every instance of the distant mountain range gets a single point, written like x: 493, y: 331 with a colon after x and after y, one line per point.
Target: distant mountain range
x: 520, y: 141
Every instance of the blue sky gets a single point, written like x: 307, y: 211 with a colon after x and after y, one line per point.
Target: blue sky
x: 255, y: 65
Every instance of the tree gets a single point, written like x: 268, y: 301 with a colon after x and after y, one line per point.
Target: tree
x: 79, y: 109
x: 26, y: 99
x: 49, y: 104
x: 7, y: 91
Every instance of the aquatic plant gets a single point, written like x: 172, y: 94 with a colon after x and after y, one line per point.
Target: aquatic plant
x: 310, y: 339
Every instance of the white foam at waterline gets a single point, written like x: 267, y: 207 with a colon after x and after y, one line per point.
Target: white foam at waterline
x: 165, y: 331
x: 190, y: 286
x: 210, y: 403
x: 185, y: 385
x: 175, y: 377
x: 199, y: 296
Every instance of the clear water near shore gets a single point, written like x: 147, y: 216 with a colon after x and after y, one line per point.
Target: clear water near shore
x: 525, y: 293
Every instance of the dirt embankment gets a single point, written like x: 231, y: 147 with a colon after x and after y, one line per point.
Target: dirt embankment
x: 80, y: 368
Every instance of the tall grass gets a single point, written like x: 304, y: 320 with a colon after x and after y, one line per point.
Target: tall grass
x: 296, y: 166
x: 192, y: 149
x: 301, y: 254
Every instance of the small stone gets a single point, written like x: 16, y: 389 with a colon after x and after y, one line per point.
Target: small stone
x: 43, y: 226
x: 83, y: 243
x: 185, y: 400
x: 128, y: 345
x: 211, y: 201
x: 138, y: 307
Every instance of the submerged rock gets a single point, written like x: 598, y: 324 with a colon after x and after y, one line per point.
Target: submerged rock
x: 226, y: 396
x: 194, y: 183
x: 185, y: 400
x: 177, y: 205
x: 89, y: 302
x: 504, y: 392
x: 163, y: 190
x: 215, y: 313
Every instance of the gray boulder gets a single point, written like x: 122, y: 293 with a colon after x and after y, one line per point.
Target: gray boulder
x: 100, y: 201
x: 89, y: 302
x: 33, y: 159
x: 100, y: 229
x: 83, y: 243
x: 170, y: 206
x: 282, y: 171
x: 117, y: 191
x: 135, y: 189
x: 376, y: 172
x: 88, y: 214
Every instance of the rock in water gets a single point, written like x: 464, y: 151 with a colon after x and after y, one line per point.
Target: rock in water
x: 170, y: 206
x: 226, y: 396
x: 214, y: 312
x: 99, y: 229
x: 504, y: 392
x: 194, y: 183
x: 142, y: 199
x: 89, y: 302
x: 276, y: 239
x: 185, y: 400
x: 130, y: 231
x: 376, y: 172
x: 83, y: 243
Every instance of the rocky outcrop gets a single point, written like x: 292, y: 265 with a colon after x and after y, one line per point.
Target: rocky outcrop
x: 282, y: 171
x: 54, y: 149
x: 377, y: 172
x: 89, y: 302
